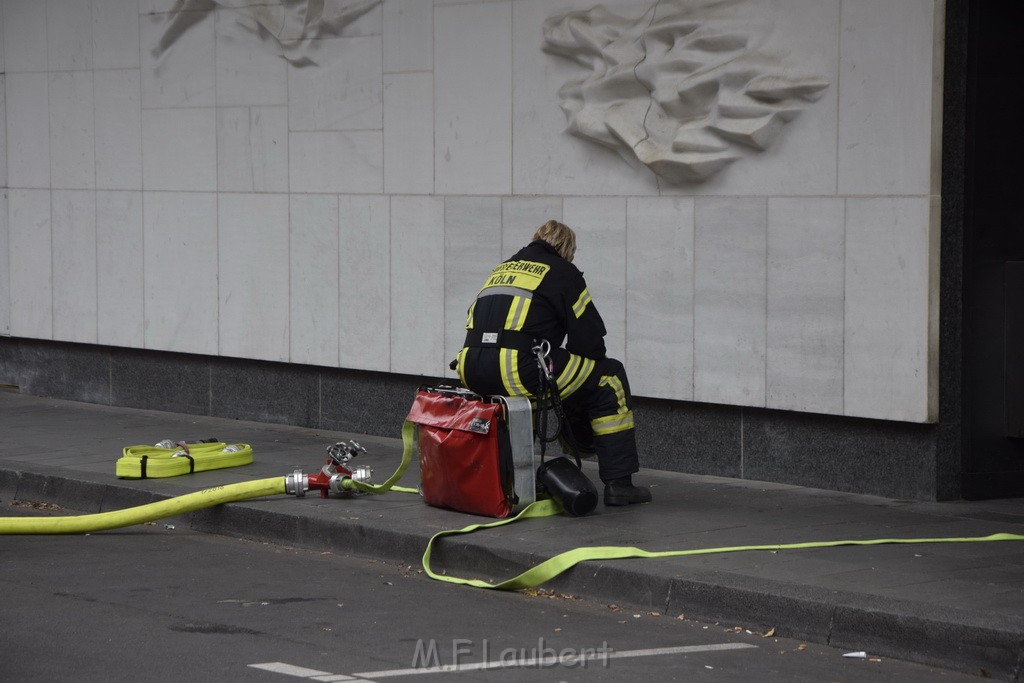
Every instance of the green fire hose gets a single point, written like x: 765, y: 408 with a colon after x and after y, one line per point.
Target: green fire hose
x: 531, y: 578
x: 190, y: 502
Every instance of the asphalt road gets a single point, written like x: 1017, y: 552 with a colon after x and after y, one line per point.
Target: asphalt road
x: 160, y: 602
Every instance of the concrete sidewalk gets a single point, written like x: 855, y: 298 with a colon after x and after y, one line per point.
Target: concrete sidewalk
x: 956, y: 605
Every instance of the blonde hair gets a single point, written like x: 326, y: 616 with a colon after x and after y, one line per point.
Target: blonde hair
x: 559, y: 236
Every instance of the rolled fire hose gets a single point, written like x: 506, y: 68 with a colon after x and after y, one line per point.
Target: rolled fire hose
x: 151, y: 462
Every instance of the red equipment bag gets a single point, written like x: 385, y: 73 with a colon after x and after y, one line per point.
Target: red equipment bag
x: 465, y: 457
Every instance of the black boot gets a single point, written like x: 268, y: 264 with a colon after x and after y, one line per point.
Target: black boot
x: 622, y: 492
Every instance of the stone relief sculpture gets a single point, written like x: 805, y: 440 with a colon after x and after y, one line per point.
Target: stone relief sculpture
x: 678, y: 88
x: 289, y: 26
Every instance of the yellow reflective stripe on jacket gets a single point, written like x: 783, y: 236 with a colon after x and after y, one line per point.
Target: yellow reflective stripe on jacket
x: 516, y: 317
x: 581, y: 303
x: 469, y: 316
x: 611, y: 424
x: 586, y: 366
x: 510, y: 373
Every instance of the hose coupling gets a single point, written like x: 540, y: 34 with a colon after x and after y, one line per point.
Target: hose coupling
x: 296, y: 484
x: 362, y: 473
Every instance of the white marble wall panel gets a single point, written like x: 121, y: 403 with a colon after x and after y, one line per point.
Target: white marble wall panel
x: 5, y: 267
x: 600, y: 226
x: 180, y: 305
x: 417, y: 286
x: 184, y: 75
x: 472, y: 247
x: 804, y: 34
x: 68, y: 34
x: 156, y: 6
x: 31, y: 262
x: 252, y: 149
x: 3, y: 130
x: 741, y: 289
x: 520, y: 218
x: 659, y: 296
x: 546, y: 159
x: 249, y: 70
x: 179, y: 149
x: 368, y: 24
x: 24, y: 35
x: 268, y: 142
x: 342, y: 91
x: 119, y: 258
x: 408, y: 31
x: 805, y: 304
x: 349, y: 162
x: 252, y: 243
x: 729, y: 301
x: 74, y: 265
x: 72, y: 131
x: 118, y: 129
x: 364, y: 282
x: 409, y: 133
x: 115, y: 34
x: 313, y: 279
x: 887, y: 308
x: 472, y: 131
x: 28, y: 130
x: 885, y: 133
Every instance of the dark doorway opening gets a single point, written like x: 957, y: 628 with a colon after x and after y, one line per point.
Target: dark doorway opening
x: 993, y: 303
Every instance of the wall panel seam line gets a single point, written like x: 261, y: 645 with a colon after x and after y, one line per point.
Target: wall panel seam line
x: 693, y: 302
x: 842, y: 393
x: 767, y: 219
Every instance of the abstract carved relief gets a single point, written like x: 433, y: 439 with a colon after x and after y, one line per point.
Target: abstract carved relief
x: 289, y: 26
x: 681, y: 89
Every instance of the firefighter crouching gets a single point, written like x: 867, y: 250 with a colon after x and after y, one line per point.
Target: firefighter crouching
x: 538, y: 295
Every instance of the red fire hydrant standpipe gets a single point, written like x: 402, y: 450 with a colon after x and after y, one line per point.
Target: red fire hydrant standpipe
x: 338, y: 478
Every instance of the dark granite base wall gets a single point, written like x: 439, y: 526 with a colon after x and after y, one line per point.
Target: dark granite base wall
x: 891, y: 459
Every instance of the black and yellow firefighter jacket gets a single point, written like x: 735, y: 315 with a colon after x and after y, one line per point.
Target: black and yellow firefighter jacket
x: 538, y: 295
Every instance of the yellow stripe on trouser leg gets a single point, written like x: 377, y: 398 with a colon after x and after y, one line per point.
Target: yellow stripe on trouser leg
x: 586, y: 366
x: 620, y: 392
x: 610, y: 424
x: 460, y: 365
x: 572, y: 366
x: 510, y: 373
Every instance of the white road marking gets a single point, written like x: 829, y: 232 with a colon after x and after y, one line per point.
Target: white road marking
x: 553, y: 661
x: 302, y: 672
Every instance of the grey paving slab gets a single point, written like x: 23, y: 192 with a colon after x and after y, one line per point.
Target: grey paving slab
x: 957, y: 605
